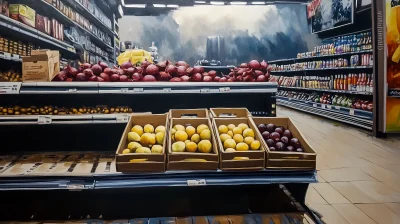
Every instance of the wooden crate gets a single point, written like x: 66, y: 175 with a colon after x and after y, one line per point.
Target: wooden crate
x: 255, y: 159
x: 287, y: 160
x: 230, y: 112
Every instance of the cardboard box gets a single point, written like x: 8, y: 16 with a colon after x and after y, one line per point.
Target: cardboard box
x: 188, y: 113
x: 181, y: 160
x: 256, y: 158
x: 40, y: 66
x: 229, y: 112
x: 287, y: 160
x: 154, y: 162
x: 23, y: 13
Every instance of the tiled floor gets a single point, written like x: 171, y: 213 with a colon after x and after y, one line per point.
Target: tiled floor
x: 359, y: 176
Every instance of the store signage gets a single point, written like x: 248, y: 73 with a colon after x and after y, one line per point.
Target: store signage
x: 201, y: 182
x: 10, y: 87
x: 311, y: 8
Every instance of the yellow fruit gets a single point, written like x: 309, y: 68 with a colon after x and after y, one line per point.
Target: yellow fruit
x: 133, y: 146
x: 138, y: 129
x: 195, y: 138
x: 126, y: 151
x: 160, y: 128
x: 148, y: 128
x: 190, y: 130
x: 242, y: 147
x: 147, y: 139
x: 223, y: 129
x: 230, y: 133
x: 201, y: 128
x: 173, y: 138
x: 143, y: 150
x: 238, y: 138
x: 133, y: 137
x: 191, y: 147
x: 248, y: 133
x: 205, y: 134
x: 229, y: 143
x: 243, y: 126
x: 181, y: 136
x: 248, y: 140
x: 224, y: 137
x: 230, y: 150
x: 255, y: 145
x: 204, y: 146
x: 157, y: 149
x: 160, y: 137
x: 187, y: 141
x: 237, y: 130
x: 179, y: 127
x: 173, y: 131
x: 178, y: 147
x: 231, y: 127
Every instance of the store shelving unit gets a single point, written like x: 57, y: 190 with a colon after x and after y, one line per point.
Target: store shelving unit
x: 323, y: 69
x: 293, y: 60
x: 325, y: 90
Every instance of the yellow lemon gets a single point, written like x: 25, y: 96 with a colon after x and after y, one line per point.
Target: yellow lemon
x: 230, y: 133
x: 195, y: 138
x: 248, y: 140
x: 223, y: 129
x: 231, y: 127
x: 126, y: 151
x: 157, y: 149
x: 160, y: 137
x: 133, y: 146
x: 201, y: 128
x: 238, y: 138
x: 181, y: 136
x: 224, y: 137
x: 178, y: 147
x: 204, y: 146
x: 205, y: 134
x: 179, y: 127
x: 148, y: 128
x: 147, y: 139
x: 255, y: 145
x: 138, y: 129
x: 237, y: 130
x: 229, y: 143
x: 230, y: 150
x: 160, y: 128
x: 242, y: 147
x: 133, y: 137
x: 191, y: 147
x: 248, y: 133
x: 143, y: 150
x: 173, y: 131
x: 243, y: 126
x: 190, y: 130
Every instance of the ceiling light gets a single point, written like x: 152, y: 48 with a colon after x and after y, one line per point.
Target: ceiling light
x: 173, y: 6
x: 159, y: 5
x: 217, y: 3
x: 200, y: 2
x: 238, y: 3
x: 135, y: 5
x: 258, y: 3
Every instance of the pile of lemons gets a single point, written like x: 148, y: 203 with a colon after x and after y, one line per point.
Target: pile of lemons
x: 238, y: 138
x: 145, y: 139
x: 191, y: 139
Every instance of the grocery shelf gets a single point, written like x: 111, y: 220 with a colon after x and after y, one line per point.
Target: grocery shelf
x: 64, y: 119
x: 10, y: 57
x: 395, y: 92
x: 326, y: 90
x: 351, y: 116
x: 13, y: 25
x: 321, y: 56
x: 325, y: 69
x: 145, y: 87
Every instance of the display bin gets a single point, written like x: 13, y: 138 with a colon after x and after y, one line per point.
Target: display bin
x: 187, y: 160
x: 153, y: 162
x: 287, y: 160
x: 188, y: 113
x: 230, y: 160
x: 229, y: 112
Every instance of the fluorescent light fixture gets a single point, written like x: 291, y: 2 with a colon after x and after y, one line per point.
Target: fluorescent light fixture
x: 217, y: 3
x: 159, y: 5
x: 135, y: 5
x: 238, y: 3
x: 172, y: 6
x: 258, y: 3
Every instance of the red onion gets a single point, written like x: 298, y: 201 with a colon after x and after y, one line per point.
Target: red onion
x: 196, y: 77
x: 88, y: 72
x: 264, y: 65
x: 244, y: 65
x: 136, y: 77
x: 130, y: 71
x: 258, y: 73
x: 185, y: 78
x: 181, y: 70
x: 165, y: 76
x: 114, y: 71
x: 152, y: 70
x: 198, y: 69
x: 105, y: 77
x: 60, y: 76
x: 242, y: 70
x: 181, y: 63
x: 139, y: 70
x: 238, y: 79
x: 176, y: 79
x: 96, y: 69
x: 120, y: 72
x: 108, y: 71
x: 114, y: 78
x: 85, y: 66
x: 171, y: 70
x: 126, y: 65
x: 99, y: 79
x: 207, y: 79
x: 212, y: 73
x: 231, y: 74
x: 123, y: 78
x: 81, y: 77
x: 162, y: 65
x: 190, y: 71
x: 93, y: 79
x: 230, y: 80
x: 216, y: 79
x: 254, y: 64
x: 69, y: 80
x: 103, y: 65
x: 223, y: 79
x: 71, y: 71
x: 261, y: 78
x: 149, y: 78
x: 145, y: 63
x: 248, y: 78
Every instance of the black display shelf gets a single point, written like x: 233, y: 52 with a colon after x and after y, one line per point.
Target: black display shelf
x: 327, y: 90
x: 63, y: 119
x: 355, y: 117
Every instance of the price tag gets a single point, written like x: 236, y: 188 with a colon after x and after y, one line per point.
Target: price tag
x: 351, y: 112
x: 201, y: 182
x: 124, y: 90
x: 15, y: 56
x: 73, y: 90
x: 122, y: 118
x: 10, y: 87
x: 204, y: 90
x: 329, y: 107
x: 137, y: 89
x: 224, y: 89
x: 314, y: 105
x: 337, y: 107
x: 167, y: 90
x: 323, y: 106
x: 75, y: 186
x: 44, y: 119
x: 7, y: 55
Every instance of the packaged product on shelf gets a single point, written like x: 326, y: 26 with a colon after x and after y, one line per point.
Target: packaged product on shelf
x: 42, y: 65
x: 23, y: 13
x: 4, y: 8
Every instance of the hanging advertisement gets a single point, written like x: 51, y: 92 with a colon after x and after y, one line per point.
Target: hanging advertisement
x: 393, y: 65
x: 330, y: 14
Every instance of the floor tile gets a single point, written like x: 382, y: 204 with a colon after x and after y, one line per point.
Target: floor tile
x: 378, y: 191
x: 345, y: 174
x: 329, y: 193
x: 320, y: 179
x: 352, y: 193
x: 313, y: 197
x: 329, y: 214
x: 380, y: 173
x: 395, y: 207
x: 380, y: 213
x: 352, y: 214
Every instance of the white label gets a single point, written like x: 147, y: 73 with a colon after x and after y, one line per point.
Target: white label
x: 329, y: 107
x: 124, y: 90
x: 137, y: 89
x: 337, y: 107
x: 73, y: 90
x: 122, y: 118
x: 224, y: 89
x: 7, y: 55
x: 201, y: 182
x: 323, y: 106
x: 10, y: 87
x: 351, y: 112
x: 76, y: 186
x: 314, y: 105
x: 204, y: 90
x: 44, y: 119
x: 15, y: 56
x: 167, y: 90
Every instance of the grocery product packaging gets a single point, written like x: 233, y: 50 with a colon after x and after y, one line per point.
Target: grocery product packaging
x: 230, y: 112
x: 4, y: 8
x: 40, y: 66
x: 23, y: 13
x: 250, y: 159
x: 142, y: 162
x: 287, y: 159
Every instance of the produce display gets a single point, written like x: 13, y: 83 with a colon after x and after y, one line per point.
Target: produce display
x: 238, y: 138
x: 191, y: 139
x: 330, y: 99
x: 54, y: 110
x: 279, y: 138
x: 10, y: 76
x: 254, y: 71
x: 146, y: 139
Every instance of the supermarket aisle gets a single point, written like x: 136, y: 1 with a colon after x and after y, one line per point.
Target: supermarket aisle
x: 359, y: 176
